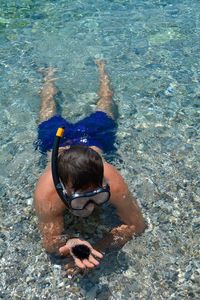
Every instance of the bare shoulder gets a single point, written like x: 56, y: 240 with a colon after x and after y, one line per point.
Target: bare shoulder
x: 114, y: 178
x: 46, y: 199
x: 44, y: 186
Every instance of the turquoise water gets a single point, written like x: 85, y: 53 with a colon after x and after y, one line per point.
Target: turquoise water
x: 152, y: 52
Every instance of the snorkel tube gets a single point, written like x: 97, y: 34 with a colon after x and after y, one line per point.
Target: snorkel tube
x: 54, y: 164
x: 80, y: 251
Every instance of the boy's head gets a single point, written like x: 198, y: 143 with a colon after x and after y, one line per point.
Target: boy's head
x: 80, y: 167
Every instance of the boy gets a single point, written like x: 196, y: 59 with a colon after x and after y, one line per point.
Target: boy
x: 82, y: 170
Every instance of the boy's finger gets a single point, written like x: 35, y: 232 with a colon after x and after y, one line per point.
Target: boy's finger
x: 93, y: 260
x: 96, y: 253
x: 79, y: 263
x: 88, y: 264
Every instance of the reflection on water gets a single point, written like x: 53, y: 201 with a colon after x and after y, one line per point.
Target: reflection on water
x: 152, y: 53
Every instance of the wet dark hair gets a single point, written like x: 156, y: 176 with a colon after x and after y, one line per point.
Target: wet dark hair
x: 80, y: 166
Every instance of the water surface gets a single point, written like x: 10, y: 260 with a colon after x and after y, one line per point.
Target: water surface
x: 152, y: 52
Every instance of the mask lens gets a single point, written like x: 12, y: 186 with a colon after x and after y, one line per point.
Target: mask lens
x: 100, y: 198
x: 81, y: 202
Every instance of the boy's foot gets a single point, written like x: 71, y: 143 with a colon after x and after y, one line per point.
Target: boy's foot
x: 48, y: 73
x: 101, y: 65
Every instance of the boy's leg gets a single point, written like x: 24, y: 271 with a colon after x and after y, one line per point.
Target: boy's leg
x: 105, y: 103
x: 48, y: 105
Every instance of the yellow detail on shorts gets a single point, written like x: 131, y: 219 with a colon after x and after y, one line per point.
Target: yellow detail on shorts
x: 60, y: 132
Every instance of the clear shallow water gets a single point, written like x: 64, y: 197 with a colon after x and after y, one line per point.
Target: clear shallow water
x: 152, y: 52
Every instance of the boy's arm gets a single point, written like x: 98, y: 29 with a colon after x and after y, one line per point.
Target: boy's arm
x: 120, y: 235
x: 51, y: 231
x: 127, y: 209
x: 49, y: 209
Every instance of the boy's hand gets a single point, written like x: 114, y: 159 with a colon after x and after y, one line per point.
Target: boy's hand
x: 124, y: 231
x: 116, y: 238
x: 89, y: 262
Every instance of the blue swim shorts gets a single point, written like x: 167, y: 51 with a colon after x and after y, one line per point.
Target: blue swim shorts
x: 98, y: 129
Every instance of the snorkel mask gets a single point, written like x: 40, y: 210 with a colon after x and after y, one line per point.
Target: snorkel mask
x: 76, y: 201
